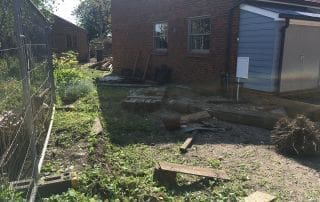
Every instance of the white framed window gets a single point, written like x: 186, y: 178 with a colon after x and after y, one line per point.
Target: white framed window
x: 199, y: 34
x: 160, y: 36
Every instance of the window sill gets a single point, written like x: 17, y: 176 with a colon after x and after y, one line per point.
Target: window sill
x: 200, y: 54
x: 159, y: 52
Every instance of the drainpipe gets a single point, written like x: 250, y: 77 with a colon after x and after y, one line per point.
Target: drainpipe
x: 282, y: 43
x: 229, y: 36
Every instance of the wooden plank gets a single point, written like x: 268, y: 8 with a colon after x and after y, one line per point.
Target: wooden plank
x: 192, y: 170
x: 195, y: 117
x: 135, y: 64
x: 146, y: 68
x: 259, y: 197
x: 187, y: 144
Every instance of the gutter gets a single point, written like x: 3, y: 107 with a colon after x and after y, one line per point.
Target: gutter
x: 282, y: 43
x: 229, y: 36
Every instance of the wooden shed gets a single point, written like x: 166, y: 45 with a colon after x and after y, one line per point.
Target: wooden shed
x: 67, y: 36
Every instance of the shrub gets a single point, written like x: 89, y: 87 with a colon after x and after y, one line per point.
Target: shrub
x: 71, y: 82
x: 76, y: 90
x: 298, y: 137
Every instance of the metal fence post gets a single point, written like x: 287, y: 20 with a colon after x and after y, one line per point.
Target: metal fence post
x: 25, y: 73
x: 50, y: 65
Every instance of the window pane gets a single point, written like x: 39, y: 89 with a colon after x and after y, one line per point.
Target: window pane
x: 200, y: 42
x: 161, y: 36
x: 161, y: 29
x: 161, y: 43
x: 200, y: 26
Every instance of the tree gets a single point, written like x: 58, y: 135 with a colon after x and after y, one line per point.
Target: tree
x: 44, y: 5
x: 95, y: 16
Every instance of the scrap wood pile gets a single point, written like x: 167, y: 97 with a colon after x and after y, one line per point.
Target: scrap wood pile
x: 104, y: 65
x: 299, y: 136
x: 9, y: 126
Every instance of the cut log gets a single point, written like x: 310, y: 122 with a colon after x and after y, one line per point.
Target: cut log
x: 259, y: 197
x: 199, y: 116
x: 165, y: 173
x: 171, y: 122
x: 187, y: 144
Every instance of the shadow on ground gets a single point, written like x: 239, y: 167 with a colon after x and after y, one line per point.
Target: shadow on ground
x: 125, y: 127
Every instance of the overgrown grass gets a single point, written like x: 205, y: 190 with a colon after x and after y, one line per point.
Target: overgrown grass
x: 122, y: 160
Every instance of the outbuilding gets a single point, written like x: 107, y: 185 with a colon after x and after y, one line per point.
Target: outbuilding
x: 67, y: 36
x: 282, y: 43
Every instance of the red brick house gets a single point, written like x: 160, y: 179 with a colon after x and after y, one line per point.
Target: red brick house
x: 200, y: 39
x: 67, y: 36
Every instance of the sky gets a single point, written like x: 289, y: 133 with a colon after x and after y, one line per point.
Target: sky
x: 64, y: 9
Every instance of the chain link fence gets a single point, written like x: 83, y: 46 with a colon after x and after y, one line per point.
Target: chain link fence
x: 26, y: 88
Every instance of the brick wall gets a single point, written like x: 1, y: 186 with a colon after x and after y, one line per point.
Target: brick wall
x: 132, y: 26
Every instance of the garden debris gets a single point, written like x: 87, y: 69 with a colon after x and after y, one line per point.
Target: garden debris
x: 175, y: 122
x: 165, y: 173
x: 104, y: 65
x: 97, y: 127
x: 299, y: 136
x: 260, y: 197
x: 146, y: 99
x: 10, y: 123
x: 187, y: 144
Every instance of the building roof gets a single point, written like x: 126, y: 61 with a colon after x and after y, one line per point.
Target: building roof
x: 300, y: 2
x: 288, y: 11
x: 68, y: 22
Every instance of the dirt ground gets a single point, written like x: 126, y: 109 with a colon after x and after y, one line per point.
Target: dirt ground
x: 244, y: 152
x: 246, y: 149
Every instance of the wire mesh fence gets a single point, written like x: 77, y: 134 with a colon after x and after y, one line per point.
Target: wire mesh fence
x: 26, y: 88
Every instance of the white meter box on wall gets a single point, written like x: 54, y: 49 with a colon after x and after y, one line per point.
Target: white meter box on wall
x: 243, y: 67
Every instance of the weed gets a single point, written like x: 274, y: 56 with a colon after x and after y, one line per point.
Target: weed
x: 7, y: 193
x: 72, y: 196
x: 214, y: 163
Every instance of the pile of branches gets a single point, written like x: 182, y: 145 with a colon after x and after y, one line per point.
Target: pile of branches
x: 299, y: 136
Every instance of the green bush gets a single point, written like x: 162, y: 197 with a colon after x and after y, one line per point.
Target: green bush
x: 71, y: 82
x: 76, y: 90
x: 66, y: 60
